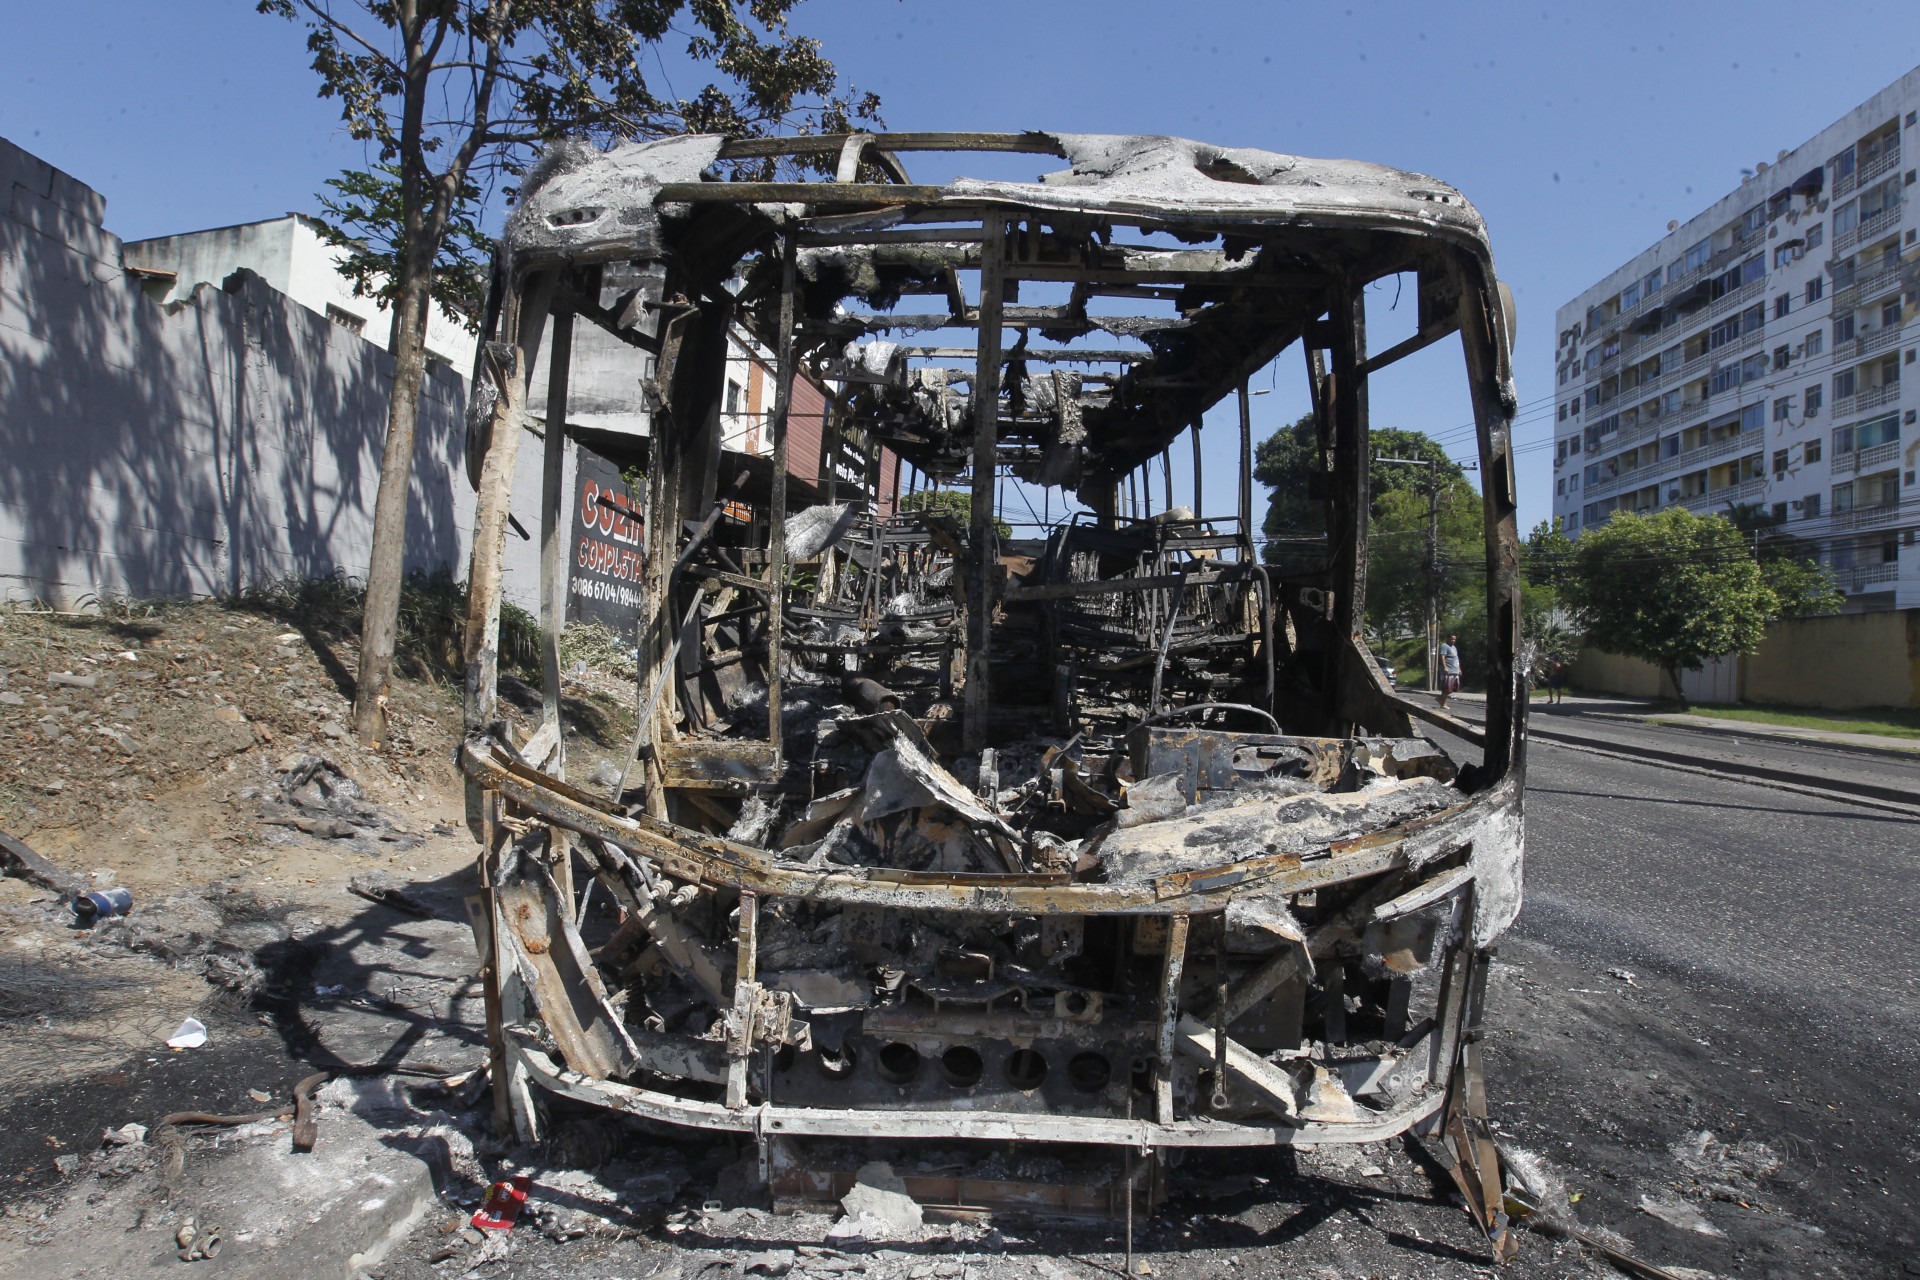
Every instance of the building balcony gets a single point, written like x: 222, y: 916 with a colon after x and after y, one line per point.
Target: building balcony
x: 1867, y: 288
x: 1871, y: 398
x: 1886, y: 162
x: 1873, y: 517
x: 1722, y: 447
x: 1738, y: 298
x: 1877, y: 340
x: 1858, y: 460
x: 1862, y: 576
x: 1868, y: 229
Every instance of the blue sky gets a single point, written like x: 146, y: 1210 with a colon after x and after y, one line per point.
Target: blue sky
x: 1577, y: 130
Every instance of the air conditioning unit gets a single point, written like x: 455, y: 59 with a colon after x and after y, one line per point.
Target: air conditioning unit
x: 1798, y: 504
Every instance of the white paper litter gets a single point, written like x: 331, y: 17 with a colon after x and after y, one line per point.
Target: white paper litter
x: 191, y: 1035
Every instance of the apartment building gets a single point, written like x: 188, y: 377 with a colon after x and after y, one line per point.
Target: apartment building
x: 1757, y: 355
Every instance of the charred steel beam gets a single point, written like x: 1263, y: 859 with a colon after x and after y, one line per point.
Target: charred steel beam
x: 986, y: 414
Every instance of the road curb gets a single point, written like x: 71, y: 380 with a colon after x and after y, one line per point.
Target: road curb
x: 1878, y: 806
x: 1892, y: 798
x: 1762, y: 734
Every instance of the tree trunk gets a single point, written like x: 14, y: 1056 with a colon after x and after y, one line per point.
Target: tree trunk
x: 1673, y: 677
x: 385, y: 568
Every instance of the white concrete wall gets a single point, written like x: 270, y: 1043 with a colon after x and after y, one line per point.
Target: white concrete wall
x: 291, y: 255
x: 194, y: 449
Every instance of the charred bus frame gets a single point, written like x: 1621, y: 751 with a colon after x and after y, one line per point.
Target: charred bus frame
x: 1256, y: 252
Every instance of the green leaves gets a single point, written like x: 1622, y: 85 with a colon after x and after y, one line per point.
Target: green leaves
x: 1801, y: 586
x: 1671, y: 588
x: 960, y: 504
x: 454, y: 97
x: 365, y: 217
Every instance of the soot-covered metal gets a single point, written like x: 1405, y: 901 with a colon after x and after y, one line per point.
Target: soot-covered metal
x: 1112, y: 837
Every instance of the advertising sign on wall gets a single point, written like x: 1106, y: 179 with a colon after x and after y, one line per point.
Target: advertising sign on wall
x: 606, y: 564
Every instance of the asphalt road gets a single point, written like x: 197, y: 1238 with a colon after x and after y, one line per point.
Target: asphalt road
x: 1770, y: 998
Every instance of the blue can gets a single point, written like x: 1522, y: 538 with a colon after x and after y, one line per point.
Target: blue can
x: 102, y: 903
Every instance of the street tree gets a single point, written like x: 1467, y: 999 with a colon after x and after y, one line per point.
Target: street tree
x: 1547, y: 617
x: 1802, y: 586
x: 1670, y: 588
x: 452, y: 98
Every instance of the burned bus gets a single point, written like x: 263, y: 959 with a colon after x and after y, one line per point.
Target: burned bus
x: 1113, y: 839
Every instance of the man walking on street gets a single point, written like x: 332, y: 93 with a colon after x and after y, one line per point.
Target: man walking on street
x: 1449, y: 671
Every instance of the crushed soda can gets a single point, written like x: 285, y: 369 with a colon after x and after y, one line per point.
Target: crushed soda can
x: 503, y: 1204
x: 102, y: 903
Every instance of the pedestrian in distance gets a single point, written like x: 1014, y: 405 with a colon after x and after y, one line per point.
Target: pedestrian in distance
x: 1557, y: 682
x: 1449, y: 670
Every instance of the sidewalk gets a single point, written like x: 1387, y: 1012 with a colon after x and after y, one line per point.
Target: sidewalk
x: 1641, y: 711
x: 1862, y: 767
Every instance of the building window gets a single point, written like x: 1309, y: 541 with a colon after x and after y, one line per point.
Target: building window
x: 1815, y: 394
x: 1816, y: 236
x: 1651, y: 285
x: 1816, y: 342
x: 1846, y: 218
x: 1843, y: 165
x: 1781, y: 355
x: 1811, y: 511
x: 1881, y: 430
x: 1779, y: 513
x: 1781, y: 305
x: 1697, y: 255
x: 1782, y: 412
x: 1843, y: 329
x: 1560, y: 487
x: 1890, y: 313
x: 1750, y: 418
x: 346, y: 319
x: 1810, y: 453
x: 733, y: 396
x: 1843, y: 498
x: 1816, y: 287
x: 1844, y: 383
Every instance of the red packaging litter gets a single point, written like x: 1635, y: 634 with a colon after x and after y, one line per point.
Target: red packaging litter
x: 504, y: 1202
